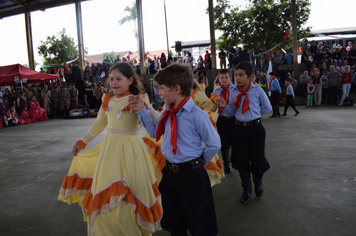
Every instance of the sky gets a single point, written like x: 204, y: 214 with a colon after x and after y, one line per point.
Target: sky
x: 187, y: 21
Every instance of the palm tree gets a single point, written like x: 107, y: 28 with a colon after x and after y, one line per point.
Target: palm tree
x: 131, y: 17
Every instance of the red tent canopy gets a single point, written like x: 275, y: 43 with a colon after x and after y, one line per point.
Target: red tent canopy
x: 13, y: 74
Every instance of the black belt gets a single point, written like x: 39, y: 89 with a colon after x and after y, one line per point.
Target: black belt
x: 250, y: 123
x: 185, y: 166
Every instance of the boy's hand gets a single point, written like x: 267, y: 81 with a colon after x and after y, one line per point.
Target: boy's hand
x: 76, y: 149
x: 136, y: 102
x: 220, y: 101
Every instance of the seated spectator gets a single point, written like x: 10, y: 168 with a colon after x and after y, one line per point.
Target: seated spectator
x: 14, y: 115
x: 10, y: 120
x: 8, y: 99
x: 2, y: 107
x: 349, y: 46
x: 26, y: 116
x: 87, y: 73
x: 289, y: 72
x: 37, y: 113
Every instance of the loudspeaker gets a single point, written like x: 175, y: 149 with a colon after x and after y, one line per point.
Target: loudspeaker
x: 76, y: 73
x: 178, y: 46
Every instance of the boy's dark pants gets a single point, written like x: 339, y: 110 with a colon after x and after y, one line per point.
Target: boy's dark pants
x: 275, y: 103
x: 249, y: 151
x: 188, y: 203
x: 226, y: 132
x: 289, y: 102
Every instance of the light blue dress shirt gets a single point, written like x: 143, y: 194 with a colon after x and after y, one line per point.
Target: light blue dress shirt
x: 193, y: 129
x: 259, y: 104
x: 218, y: 91
x: 275, y: 86
x: 290, y: 90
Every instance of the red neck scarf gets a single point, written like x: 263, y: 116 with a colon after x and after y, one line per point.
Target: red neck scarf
x: 270, y: 83
x: 162, y: 123
x: 245, y: 106
x: 224, y: 94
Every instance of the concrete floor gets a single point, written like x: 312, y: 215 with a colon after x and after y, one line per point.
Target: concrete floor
x: 309, y: 190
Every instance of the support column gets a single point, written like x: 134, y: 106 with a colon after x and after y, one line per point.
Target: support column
x: 212, y: 34
x: 294, y: 36
x: 28, y: 26
x: 78, y: 13
x: 141, y: 49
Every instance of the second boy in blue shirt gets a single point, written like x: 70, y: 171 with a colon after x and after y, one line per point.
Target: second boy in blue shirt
x: 248, y: 102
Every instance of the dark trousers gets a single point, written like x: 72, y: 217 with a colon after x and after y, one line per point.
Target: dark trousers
x: 249, y: 150
x: 289, y: 102
x: 332, y: 95
x: 226, y: 131
x: 188, y: 203
x: 275, y: 103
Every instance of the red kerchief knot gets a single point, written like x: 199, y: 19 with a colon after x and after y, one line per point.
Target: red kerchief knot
x: 245, y: 106
x: 162, y: 123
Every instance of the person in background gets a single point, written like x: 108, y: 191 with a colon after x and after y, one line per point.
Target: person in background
x: 10, y: 120
x: 290, y: 98
x: 346, y: 79
x: 222, y: 56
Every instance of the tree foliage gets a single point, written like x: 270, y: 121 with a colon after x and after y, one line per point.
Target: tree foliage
x: 132, y: 14
x: 262, y: 23
x: 56, y: 50
x: 111, y: 55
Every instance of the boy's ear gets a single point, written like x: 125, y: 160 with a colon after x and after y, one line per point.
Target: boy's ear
x: 177, y: 89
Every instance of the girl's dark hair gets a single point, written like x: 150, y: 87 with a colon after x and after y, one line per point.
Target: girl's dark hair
x: 127, y: 70
x: 200, y: 79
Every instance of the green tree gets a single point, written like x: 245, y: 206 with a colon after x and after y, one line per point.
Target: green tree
x: 132, y: 16
x: 262, y: 23
x: 111, y: 55
x: 56, y: 50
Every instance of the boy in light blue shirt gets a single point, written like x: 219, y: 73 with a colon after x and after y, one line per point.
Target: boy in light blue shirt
x: 248, y: 102
x: 187, y: 198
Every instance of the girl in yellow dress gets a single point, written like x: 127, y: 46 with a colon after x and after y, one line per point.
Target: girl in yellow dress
x: 114, y: 182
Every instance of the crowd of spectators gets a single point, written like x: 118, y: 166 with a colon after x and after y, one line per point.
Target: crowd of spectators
x: 38, y: 102
x: 330, y: 72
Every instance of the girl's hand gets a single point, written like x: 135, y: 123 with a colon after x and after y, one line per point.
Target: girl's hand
x: 76, y: 149
x: 136, y: 102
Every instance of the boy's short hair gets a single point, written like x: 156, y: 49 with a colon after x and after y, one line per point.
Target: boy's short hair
x: 174, y: 74
x: 246, y: 66
x: 289, y: 80
x: 224, y: 71
x: 272, y: 73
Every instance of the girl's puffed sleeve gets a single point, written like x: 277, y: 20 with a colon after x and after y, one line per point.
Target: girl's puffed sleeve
x: 154, y: 114
x: 98, y: 126
x: 204, y: 102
